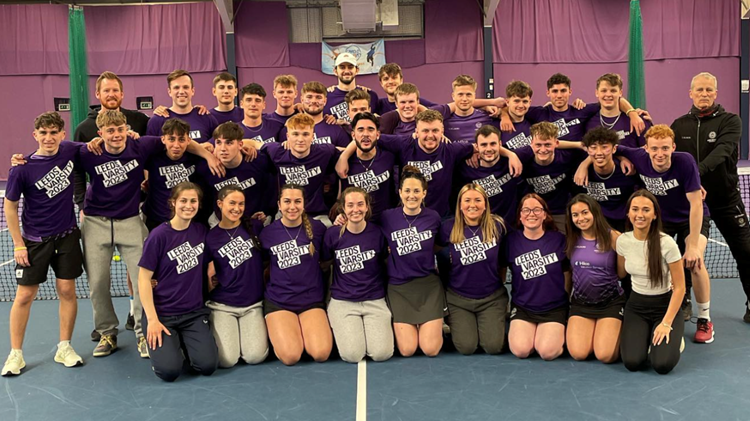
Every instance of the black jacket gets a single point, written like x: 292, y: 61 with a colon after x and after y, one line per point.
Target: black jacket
x: 714, y: 142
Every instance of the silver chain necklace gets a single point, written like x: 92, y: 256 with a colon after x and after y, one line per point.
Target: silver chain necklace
x: 290, y: 235
x: 608, y: 125
x: 231, y: 236
x: 372, y: 161
x: 407, y: 219
x: 474, y: 233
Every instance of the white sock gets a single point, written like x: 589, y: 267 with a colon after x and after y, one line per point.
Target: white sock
x: 131, y: 304
x: 62, y: 344
x: 16, y: 351
x: 703, y: 310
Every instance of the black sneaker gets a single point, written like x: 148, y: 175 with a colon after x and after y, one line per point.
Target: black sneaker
x: 95, y: 336
x: 746, y: 318
x: 130, y: 324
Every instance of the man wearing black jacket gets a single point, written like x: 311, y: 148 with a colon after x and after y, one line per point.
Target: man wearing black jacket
x: 712, y: 136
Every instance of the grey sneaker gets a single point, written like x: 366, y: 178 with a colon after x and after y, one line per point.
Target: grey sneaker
x: 14, y: 364
x: 130, y: 323
x: 687, y: 310
x: 143, y: 347
x: 107, y: 345
x: 67, y: 356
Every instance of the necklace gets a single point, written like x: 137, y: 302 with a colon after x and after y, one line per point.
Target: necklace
x: 473, y: 232
x: 407, y: 219
x: 231, y: 236
x: 290, y: 235
x: 367, y: 168
x: 608, y: 125
x: 601, y: 177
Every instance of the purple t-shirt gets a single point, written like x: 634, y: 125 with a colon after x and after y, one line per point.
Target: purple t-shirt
x: 385, y: 105
x: 115, y: 188
x: 163, y: 175
x: 474, y: 263
x: 357, y: 274
x: 337, y: 106
x: 268, y: 131
x: 249, y: 176
x: 46, y: 183
x: 238, y: 262
x: 201, y: 126
x: 309, y: 172
x: 537, y: 270
x: 411, y: 240
x: 595, y: 277
x: 236, y: 116
x: 391, y: 123
x: 669, y: 187
x: 571, y: 123
x: 176, y: 258
x: 278, y: 117
x: 324, y: 133
x: 437, y: 166
x: 501, y: 188
x: 612, y: 191
x: 518, y: 138
x: 462, y: 129
x: 375, y: 177
x: 296, y: 280
x: 621, y: 126
x: 552, y: 182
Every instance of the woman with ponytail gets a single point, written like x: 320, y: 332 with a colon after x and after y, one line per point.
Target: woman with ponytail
x: 649, y: 329
x: 415, y: 294
x: 235, y: 283
x: 294, y: 298
x: 360, y: 318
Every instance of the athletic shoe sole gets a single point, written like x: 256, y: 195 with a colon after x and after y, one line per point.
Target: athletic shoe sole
x: 9, y: 373
x: 78, y: 363
x: 713, y: 334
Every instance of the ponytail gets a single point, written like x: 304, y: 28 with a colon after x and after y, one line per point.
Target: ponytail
x: 308, y: 231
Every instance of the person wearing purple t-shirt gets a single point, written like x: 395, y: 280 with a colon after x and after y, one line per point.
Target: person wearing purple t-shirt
x: 225, y: 92
x: 313, y: 103
x: 477, y: 299
x: 391, y: 77
x: 609, y: 92
x: 46, y: 184
x: 359, y: 315
x: 518, y: 96
x: 540, y: 276
x: 463, y: 123
x: 597, y: 301
x: 235, y: 272
x: 253, y: 122
x: 415, y: 293
x: 294, y: 300
x: 674, y: 179
x: 284, y: 92
x: 346, y: 70
x: 180, y: 88
x: 493, y: 174
x: 174, y: 316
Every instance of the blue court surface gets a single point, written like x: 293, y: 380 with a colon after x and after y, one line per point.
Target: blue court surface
x: 712, y: 382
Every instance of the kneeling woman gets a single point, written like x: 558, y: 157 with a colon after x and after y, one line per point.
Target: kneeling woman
x: 293, y: 304
x: 477, y: 298
x: 174, y: 316
x: 541, y: 282
x: 415, y: 294
x: 597, y: 301
x: 654, y: 263
x: 236, y: 282
x: 360, y: 318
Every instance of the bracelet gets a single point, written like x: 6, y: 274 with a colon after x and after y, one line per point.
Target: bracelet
x: 669, y: 326
x: 629, y: 111
x: 19, y: 248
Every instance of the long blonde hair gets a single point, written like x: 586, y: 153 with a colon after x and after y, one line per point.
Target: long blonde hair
x: 305, y: 220
x: 488, y: 222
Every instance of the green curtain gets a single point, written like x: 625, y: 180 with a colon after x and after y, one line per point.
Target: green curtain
x: 636, y: 72
x: 79, y: 87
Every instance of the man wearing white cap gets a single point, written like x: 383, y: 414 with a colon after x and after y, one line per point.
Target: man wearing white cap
x: 346, y: 69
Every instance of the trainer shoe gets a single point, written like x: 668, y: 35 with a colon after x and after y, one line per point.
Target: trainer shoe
x: 687, y: 310
x: 107, y: 344
x: 143, y: 347
x: 14, y: 364
x: 130, y: 323
x: 705, y: 332
x: 67, y: 356
x: 746, y: 318
x: 682, y: 345
x: 95, y: 336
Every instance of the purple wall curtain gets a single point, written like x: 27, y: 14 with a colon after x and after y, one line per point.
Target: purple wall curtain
x: 452, y: 31
x: 261, y: 32
x: 34, y: 40
x: 155, y: 39
x: 585, y: 31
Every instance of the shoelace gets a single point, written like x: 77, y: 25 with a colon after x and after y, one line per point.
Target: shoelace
x: 702, y: 326
x: 106, y: 339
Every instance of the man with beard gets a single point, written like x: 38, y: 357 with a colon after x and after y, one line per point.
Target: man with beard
x: 346, y: 69
x: 712, y: 136
x: 284, y: 92
x: 225, y: 91
x: 313, y: 103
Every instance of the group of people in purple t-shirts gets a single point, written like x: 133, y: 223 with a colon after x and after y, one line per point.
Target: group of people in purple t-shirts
x: 375, y: 224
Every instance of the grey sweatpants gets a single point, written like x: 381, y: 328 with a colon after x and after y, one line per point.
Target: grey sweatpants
x: 361, y: 328
x: 100, y: 237
x: 239, y: 332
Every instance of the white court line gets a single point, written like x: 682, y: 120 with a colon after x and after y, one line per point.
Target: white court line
x: 718, y: 242
x: 8, y: 262
x: 361, y: 391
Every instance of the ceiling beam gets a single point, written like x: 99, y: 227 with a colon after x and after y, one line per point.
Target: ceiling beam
x: 489, y: 11
x: 226, y: 11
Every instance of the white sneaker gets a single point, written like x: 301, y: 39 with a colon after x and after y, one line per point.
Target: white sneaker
x: 143, y: 347
x: 682, y: 345
x: 14, y: 364
x: 67, y: 356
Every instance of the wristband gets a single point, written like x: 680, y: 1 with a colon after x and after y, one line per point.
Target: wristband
x: 19, y: 248
x: 666, y: 325
x: 629, y: 111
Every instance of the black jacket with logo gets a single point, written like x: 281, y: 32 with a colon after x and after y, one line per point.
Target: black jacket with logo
x: 714, y: 142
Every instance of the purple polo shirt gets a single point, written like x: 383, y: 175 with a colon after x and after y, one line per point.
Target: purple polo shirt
x: 375, y: 176
x: 411, y: 240
x: 238, y: 262
x: 462, y: 129
x: 201, y: 126
x: 595, y: 277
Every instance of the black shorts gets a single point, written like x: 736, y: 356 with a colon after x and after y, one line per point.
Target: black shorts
x: 271, y: 307
x: 682, y: 229
x: 63, y: 254
x: 556, y: 315
x: 613, y: 308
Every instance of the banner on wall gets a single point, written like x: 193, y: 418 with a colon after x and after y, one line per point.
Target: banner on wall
x: 370, y: 56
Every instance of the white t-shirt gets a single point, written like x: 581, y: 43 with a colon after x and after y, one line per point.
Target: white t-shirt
x: 636, y: 262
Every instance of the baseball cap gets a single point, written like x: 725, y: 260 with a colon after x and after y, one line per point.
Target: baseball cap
x: 346, y: 58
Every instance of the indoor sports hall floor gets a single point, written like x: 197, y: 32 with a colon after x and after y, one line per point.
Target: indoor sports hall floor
x: 712, y: 382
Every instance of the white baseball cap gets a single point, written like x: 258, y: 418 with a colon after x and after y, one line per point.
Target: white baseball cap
x: 346, y: 58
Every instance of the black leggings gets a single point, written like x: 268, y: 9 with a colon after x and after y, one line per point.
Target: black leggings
x: 642, y: 314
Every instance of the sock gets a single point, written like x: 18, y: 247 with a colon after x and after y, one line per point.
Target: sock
x: 131, y: 304
x: 703, y: 310
x: 62, y: 344
x: 16, y: 351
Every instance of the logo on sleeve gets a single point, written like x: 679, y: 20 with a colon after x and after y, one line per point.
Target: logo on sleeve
x: 175, y: 174
x: 491, y: 185
x: 299, y: 175
x: 289, y: 253
x: 409, y: 240
x: 600, y: 192
x: 657, y: 186
x: 473, y: 250
x: 533, y: 264
x: 237, y: 251
x: 186, y: 256
x: 427, y: 168
x: 368, y: 181
x: 352, y: 259
x: 56, y: 180
x: 545, y: 184
x: 114, y: 172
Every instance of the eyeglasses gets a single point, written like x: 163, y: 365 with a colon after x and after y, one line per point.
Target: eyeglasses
x: 536, y: 211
